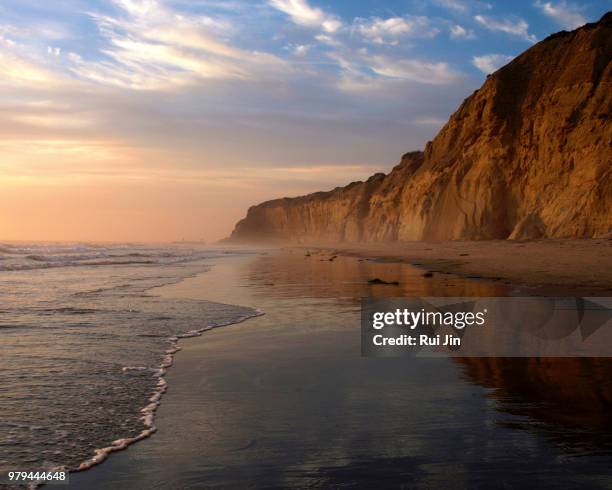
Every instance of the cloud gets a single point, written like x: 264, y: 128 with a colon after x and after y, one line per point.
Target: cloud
x: 515, y: 27
x: 361, y: 71
x: 54, y: 121
x: 462, y: 6
x: 329, y: 40
x: 566, y: 15
x: 304, y: 14
x: 459, y: 32
x: 489, y: 63
x: 43, y: 30
x: 33, y: 113
x: 457, y: 5
x: 437, y: 122
x: 389, y: 31
x: 48, y: 155
x: 17, y: 71
x: 416, y: 70
x: 149, y: 46
x: 301, y: 49
x: 23, y: 67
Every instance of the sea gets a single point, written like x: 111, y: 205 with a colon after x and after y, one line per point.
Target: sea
x: 85, y: 343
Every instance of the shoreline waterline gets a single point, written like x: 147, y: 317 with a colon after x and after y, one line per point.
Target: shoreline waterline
x: 285, y: 400
x: 93, y: 349
x: 148, y: 412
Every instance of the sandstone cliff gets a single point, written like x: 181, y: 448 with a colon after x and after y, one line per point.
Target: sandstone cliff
x: 528, y: 155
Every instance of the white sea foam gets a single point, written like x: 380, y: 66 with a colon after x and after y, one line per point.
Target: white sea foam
x: 126, y: 369
x: 148, y: 412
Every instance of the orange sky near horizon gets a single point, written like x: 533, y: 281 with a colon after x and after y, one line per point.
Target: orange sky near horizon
x: 133, y: 204
x: 91, y: 169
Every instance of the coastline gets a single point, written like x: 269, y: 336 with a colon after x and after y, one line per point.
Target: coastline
x: 148, y: 412
x: 185, y: 367
x: 285, y: 400
x: 580, y: 267
x: 403, y: 211
x: 563, y: 265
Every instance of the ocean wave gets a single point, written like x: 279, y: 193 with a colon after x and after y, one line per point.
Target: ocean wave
x: 106, y: 329
x: 65, y: 257
x: 46, y: 249
x: 148, y: 411
x: 31, y: 257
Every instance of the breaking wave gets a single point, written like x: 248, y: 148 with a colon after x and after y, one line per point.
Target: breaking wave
x: 30, y: 257
x: 96, y: 342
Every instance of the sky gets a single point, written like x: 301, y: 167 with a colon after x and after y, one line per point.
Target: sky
x: 164, y: 120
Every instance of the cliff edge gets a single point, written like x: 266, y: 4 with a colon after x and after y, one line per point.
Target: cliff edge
x: 528, y: 155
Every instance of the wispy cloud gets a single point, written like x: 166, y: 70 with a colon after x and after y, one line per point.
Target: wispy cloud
x: 362, y: 71
x: 457, y: 5
x: 514, y: 26
x: 302, y: 13
x: 421, y: 71
x: 301, y: 49
x: 392, y: 29
x: 54, y: 121
x: 45, y: 156
x: 463, y: 6
x: 328, y: 40
x: 18, y: 71
x: 47, y: 30
x: 489, y: 63
x: 150, y: 46
x: 565, y: 14
x: 460, y: 32
x: 437, y: 122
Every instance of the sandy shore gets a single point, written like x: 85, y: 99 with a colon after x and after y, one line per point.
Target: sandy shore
x: 555, y: 266
x: 284, y: 400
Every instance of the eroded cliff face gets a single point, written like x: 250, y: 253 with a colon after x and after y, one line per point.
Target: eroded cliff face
x: 528, y: 155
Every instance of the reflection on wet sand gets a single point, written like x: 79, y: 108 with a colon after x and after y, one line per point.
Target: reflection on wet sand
x: 321, y: 275
x: 565, y: 399
x: 568, y: 400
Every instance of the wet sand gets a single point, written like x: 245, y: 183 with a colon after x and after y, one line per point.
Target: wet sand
x: 285, y: 401
x: 564, y: 267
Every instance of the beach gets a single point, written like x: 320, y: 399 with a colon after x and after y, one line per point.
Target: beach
x: 284, y: 400
x: 289, y: 244
x: 563, y: 266
x: 83, y: 358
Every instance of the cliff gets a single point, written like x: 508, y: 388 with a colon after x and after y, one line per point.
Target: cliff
x: 528, y: 155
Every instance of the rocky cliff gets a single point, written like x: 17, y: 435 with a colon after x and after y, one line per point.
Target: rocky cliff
x: 528, y: 155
